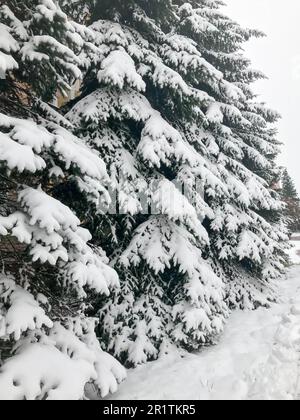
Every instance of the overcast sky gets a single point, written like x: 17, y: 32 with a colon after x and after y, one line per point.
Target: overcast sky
x: 278, y: 56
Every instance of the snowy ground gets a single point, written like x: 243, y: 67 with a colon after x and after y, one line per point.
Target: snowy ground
x: 258, y: 357
x: 295, y: 251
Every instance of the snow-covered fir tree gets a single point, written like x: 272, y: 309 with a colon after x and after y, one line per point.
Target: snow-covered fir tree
x: 166, y: 97
x: 291, y: 199
x: 169, y: 289
x: 247, y: 235
x: 50, y: 272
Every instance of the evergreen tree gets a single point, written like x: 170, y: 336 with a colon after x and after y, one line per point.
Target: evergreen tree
x: 291, y: 199
x: 247, y: 235
x: 167, y: 97
x: 51, y: 274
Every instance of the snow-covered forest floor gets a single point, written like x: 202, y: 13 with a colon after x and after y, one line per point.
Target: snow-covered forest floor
x: 258, y: 357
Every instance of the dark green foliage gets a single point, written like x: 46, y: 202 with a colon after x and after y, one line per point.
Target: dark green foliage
x: 291, y: 199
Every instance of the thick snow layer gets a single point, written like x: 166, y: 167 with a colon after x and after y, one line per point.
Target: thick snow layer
x: 22, y: 377
x: 257, y: 358
x: 7, y: 62
x: 119, y: 68
x: 7, y: 42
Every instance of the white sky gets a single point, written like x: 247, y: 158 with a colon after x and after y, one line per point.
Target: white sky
x: 278, y: 56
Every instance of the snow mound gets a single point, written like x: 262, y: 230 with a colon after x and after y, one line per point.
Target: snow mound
x: 43, y: 372
x: 294, y: 252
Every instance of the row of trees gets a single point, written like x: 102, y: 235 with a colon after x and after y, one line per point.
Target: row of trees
x: 165, y: 101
